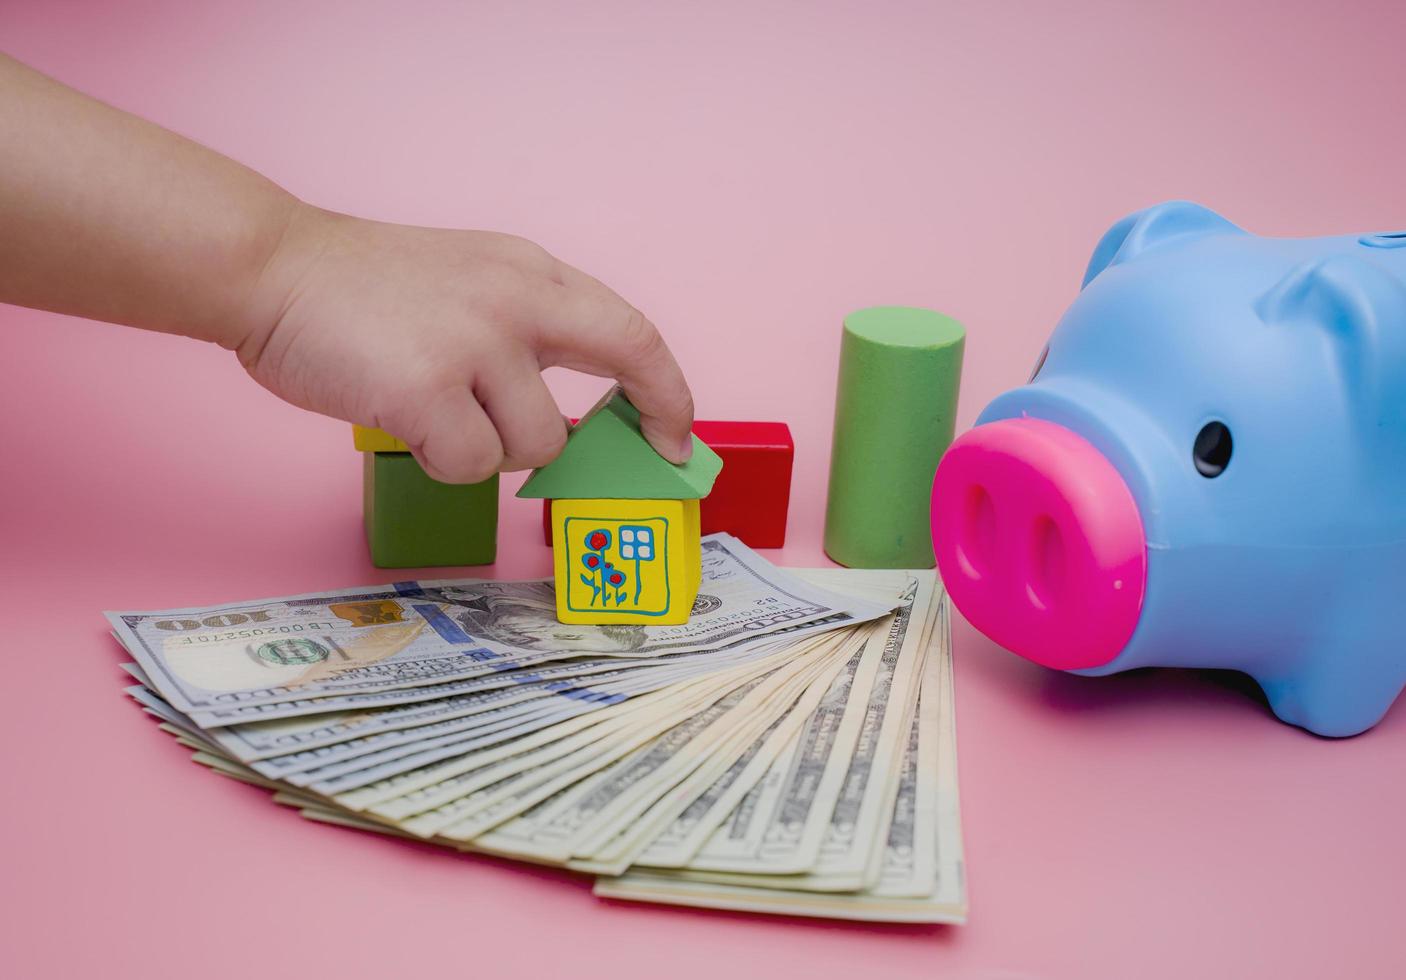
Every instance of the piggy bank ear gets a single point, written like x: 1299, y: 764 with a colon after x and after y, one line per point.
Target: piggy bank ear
x: 1141, y: 230
x: 1362, y: 308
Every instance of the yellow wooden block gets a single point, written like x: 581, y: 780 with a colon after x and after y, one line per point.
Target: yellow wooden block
x: 692, y: 515
x: 626, y: 561
x: 376, y: 441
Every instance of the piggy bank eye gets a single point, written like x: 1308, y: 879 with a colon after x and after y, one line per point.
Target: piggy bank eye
x: 1039, y: 363
x: 1211, y: 454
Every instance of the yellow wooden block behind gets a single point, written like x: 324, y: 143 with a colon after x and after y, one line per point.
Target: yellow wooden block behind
x: 626, y: 561
x: 375, y: 441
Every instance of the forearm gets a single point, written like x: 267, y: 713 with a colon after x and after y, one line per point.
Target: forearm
x: 107, y: 216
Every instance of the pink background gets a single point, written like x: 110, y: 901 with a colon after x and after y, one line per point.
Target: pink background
x: 746, y: 173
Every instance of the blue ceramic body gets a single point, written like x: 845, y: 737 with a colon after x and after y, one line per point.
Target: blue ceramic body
x: 1290, y: 565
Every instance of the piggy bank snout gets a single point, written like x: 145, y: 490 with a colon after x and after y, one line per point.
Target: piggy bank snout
x: 1039, y: 542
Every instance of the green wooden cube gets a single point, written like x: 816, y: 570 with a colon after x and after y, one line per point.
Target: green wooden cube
x: 413, y: 521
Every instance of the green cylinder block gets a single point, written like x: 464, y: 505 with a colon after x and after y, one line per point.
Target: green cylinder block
x: 895, y: 410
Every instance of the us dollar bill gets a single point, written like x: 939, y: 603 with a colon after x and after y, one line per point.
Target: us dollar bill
x: 358, y: 762
x: 923, y: 877
x: 616, y: 846
x: 595, y: 810
x: 340, y: 778
x: 811, y: 798
x: 301, y: 741
x: 442, y: 783
x: 742, y: 798
x: 824, y: 747
x: 443, y: 795
x: 466, y: 818
x: 258, y: 655
x: 319, y: 717
x: 923, y: 872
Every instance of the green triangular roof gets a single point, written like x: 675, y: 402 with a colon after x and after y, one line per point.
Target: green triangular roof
x: 606, y: 455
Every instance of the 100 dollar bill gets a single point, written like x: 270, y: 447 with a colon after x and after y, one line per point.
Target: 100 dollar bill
x: 256, y: 656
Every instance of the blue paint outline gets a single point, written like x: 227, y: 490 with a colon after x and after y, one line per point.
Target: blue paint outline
x: 668, y: 583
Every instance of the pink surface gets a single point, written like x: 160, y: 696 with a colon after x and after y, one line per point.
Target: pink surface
x: 1040, y: 542
x: 747, y: 173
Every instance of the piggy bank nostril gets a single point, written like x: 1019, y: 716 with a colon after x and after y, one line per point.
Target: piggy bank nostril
x: 1048, y: 563
x: 976, y: 541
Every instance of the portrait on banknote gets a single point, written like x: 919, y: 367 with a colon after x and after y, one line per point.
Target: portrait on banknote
x: 524, y: 615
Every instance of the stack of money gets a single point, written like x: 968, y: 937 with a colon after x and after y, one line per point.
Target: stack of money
x: 788, y: 750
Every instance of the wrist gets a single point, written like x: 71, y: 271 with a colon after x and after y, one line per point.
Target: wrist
x: 300, y: 237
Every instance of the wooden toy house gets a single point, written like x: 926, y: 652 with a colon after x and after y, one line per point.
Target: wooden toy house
x: 753, y: 491
x: 625, y: 520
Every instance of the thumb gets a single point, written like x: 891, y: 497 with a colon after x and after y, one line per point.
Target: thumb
x: 460, y: 444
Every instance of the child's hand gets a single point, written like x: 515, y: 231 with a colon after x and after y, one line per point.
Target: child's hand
x: 439, y: 337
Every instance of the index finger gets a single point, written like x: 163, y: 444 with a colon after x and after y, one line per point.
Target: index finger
x: 584, y: 326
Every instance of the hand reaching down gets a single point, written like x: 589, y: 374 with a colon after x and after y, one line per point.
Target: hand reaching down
x: 439, y: 337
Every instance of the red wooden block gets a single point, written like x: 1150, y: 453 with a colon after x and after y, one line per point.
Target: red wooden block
x: 752, y: 493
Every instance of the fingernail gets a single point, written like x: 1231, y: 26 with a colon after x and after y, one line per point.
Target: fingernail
x: 686, y: 449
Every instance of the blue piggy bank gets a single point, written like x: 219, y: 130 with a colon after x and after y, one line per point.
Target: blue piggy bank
x: 1206, y: 469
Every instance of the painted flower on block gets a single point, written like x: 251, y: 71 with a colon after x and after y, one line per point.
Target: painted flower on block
x: 607, y: 583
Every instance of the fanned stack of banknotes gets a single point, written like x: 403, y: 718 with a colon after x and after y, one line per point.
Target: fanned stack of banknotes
x: 788, y: 750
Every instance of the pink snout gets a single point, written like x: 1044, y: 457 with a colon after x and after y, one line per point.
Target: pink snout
x: 1039, y: 542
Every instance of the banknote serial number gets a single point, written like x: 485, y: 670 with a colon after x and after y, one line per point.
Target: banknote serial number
x: 225, y: 636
